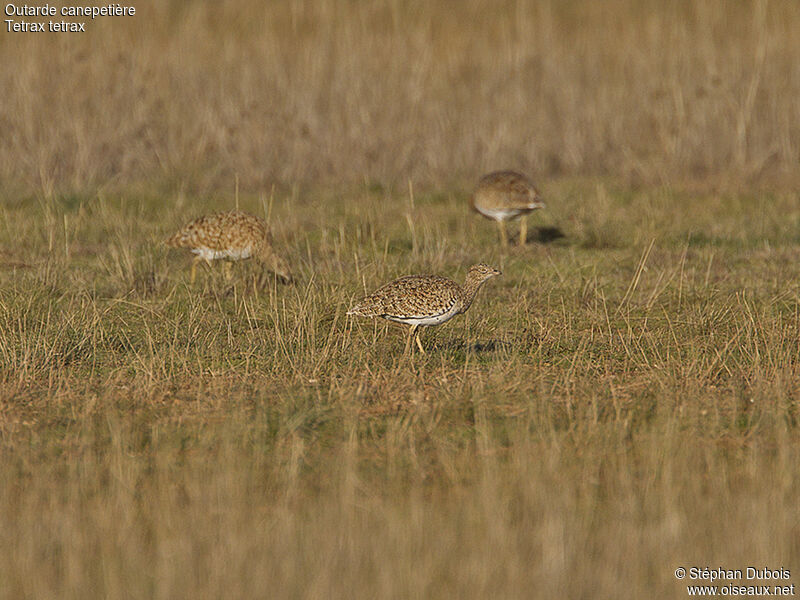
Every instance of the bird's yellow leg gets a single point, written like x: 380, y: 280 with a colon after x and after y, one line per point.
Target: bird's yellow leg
x: 193, y: 273
x: 419, y: 344
x: 226, y: 269
x: 503, y: 234
x: 523, y: 230
x: 411, y: 334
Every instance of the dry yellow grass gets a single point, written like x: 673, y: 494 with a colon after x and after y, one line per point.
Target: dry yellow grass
x: 335, y: 90
x: 623, y: 401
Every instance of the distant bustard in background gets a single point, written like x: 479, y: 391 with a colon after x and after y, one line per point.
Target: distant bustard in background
x: 423, y: 300
x: 505, y: 195
x: 235, y: 235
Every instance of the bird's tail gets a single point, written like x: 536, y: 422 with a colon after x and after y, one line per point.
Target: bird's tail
x: 175, y: 241
x: 359, y: 310
x: 537, y: 203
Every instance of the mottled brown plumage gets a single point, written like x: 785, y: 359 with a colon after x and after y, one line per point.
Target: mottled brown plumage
x: 235, y: 235
x: 506, y: 195
x: 423, y: 300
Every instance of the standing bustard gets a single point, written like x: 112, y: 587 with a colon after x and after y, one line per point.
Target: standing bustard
x: 235, y: 235
x: 505, y: 195
x: 423, y: 300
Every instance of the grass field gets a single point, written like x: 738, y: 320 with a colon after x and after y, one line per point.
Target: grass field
x: 622, y: 401
x: 335, y: 91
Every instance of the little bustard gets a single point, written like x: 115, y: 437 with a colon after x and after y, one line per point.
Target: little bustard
x: 423, y: 300
x: 505, y: 195
x: 234, y: 235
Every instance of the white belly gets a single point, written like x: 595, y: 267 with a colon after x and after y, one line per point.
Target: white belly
x: 431, y: 320
x: 499, y: 214
x: 209, y: 254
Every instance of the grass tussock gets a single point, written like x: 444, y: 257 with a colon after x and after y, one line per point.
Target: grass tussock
x: 194, y: 94
x: 622, y: 401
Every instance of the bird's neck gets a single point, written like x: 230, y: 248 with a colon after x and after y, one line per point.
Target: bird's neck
x: 468, y: 291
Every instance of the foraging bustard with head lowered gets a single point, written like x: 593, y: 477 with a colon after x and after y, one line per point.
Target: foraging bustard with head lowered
x: 505, y: 195
x: 423, y: 300
x: 235, y: 235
